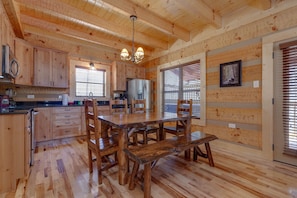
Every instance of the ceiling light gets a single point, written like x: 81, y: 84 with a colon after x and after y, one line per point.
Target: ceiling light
x: 92, y: 66
x: 136, y: 57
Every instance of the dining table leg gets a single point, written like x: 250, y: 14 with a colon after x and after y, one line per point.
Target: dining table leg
x: 147, y: 180
x: 187, y: 132
x: 161, y: 131
x: 122, y: 159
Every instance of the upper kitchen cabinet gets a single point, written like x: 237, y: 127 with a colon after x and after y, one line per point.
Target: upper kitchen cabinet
x: 50, y: 68
x: 118, y: 76
x: 24, y: 54
x: 135, y: 72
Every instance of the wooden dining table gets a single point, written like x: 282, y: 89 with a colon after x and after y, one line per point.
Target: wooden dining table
x: 128, y: 123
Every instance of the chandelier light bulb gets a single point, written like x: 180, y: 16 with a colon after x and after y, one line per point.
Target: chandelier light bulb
x: 125, y: 55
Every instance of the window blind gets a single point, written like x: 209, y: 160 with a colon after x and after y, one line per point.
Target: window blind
x: 290, y: 97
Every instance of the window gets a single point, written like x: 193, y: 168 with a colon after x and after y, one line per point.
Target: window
x: 90, y: 81
x: 181, y: 82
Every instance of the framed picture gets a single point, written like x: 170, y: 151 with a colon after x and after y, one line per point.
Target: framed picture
x: 230, y: 74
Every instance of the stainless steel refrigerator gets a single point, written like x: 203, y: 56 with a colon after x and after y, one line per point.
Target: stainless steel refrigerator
x: 140, y: 89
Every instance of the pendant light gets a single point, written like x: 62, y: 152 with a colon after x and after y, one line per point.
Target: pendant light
x: 136, y: 57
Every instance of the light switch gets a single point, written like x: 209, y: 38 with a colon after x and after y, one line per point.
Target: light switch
x: 256, y: 84
x: 232, y: 125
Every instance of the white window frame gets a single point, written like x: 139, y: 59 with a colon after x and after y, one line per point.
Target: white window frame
x: 90, y: 70
x: 199, y: 57
x: 104, y: 66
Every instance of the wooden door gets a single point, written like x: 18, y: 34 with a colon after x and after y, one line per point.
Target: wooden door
x: 24, y: 55
x: 42, y: 67
x: 60, y: 71
x: 43, y: 125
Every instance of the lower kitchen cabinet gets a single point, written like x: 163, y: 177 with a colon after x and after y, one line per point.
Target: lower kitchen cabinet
x: 15, y: 150
x: 62, y: 122
x: 43, y: 124
x: 66, y: 122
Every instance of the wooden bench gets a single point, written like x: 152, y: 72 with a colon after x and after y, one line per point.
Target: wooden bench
x: 149, y: 154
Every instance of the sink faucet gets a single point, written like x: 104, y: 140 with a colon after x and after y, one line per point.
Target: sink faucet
x: 90, y: 94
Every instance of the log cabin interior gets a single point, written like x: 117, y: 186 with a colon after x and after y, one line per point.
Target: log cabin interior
x: 190, y: 48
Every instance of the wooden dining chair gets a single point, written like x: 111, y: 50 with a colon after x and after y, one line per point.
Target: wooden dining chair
x: 183, y: 107
x: 139, y: 106
x: 118, y: 106
x: 102, y: 148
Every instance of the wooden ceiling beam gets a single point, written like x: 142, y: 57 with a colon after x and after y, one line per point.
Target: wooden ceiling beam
x: 72, y: 33
x: 90, y: 20
x: 263, y: 4
x: 150, y: 18
x: 29, y: 31
x: 14, y: 17
x: 199, y: 9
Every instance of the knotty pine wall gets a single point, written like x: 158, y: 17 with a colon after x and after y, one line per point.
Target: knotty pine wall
x: 240, y: 105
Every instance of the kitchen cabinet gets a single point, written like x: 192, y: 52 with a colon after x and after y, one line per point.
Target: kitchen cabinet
x: 66, y: 122
x: 118, y: 76
x: 24, y: 54
x: 14, y: 147
x: 43, y: 124
x: 135, y: 72
x: 50, y: 68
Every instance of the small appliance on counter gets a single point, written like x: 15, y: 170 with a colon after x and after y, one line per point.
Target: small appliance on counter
x: 4, y: 103
x: 65, y: 99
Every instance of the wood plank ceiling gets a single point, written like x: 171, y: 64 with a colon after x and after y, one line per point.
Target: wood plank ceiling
x: 105, y: 24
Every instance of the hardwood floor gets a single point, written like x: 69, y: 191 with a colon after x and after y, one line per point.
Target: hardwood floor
x: 61, y: 170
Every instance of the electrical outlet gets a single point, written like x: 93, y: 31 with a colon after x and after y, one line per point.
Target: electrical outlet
x: 30, y: 96
x: 232, y: 125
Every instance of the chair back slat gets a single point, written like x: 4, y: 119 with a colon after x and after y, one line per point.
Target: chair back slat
x: 118, y: 106
x: 91, y: 114
x: 138, y: 106
x: 183, y: 107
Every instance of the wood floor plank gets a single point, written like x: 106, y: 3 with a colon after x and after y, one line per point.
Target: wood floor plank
x: 61, y: 170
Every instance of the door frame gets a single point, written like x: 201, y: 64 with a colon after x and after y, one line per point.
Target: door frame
x: 268, y: 86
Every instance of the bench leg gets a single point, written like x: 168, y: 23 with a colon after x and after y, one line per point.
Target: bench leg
x: 147, y: 180
x: 133, y: 176
x: 197, y: 151
x: 209, y: 155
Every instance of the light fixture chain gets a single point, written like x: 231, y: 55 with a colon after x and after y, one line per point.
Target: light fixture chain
x: 133, y: 56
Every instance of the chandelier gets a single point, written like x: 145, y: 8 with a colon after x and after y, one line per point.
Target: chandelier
x: 139, y: 54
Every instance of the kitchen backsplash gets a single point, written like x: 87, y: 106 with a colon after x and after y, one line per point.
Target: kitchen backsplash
x: 24, y: 93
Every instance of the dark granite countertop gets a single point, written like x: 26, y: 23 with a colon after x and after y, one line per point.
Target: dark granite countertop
x: 40, y: 104
x: 24, y: 107
x: 14, y: 111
